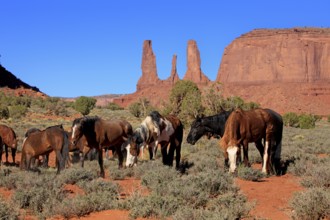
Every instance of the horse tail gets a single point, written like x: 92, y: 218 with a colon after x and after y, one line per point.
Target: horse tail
x: 65, y: 149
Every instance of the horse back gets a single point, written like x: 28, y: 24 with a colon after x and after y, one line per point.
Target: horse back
x: 8, y: 136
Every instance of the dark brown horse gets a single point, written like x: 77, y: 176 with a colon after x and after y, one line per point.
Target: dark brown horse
x: 156, y: 129
x: 43, y: 142
x: 243, y: 127
x: 101, y: 133
x: 9, y: 139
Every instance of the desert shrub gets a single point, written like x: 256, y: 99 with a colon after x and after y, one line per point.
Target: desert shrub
x: 135, y: 109
x: 17, y: 111
x: 84, y: 104
x: 247, y: 173
x: 311, y: 204
x: 328, y: 118
x: 186, y: 100
x: 7, y: 210
x: 307, y: 121
x: 291, y: 119
x: 318, y: 175
x: 114, y: 106
x: 74, y: 175
x: 4, y: 112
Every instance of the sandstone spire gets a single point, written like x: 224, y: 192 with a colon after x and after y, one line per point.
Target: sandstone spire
x: 148, y: 66
x: 194, y: 72
x: 174, y: 77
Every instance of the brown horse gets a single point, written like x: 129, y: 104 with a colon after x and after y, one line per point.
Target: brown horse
x: 43, y: 142
x: 243, y: 127
x: 167, y: 131
x: 9, y: 139
x: 101, y: 133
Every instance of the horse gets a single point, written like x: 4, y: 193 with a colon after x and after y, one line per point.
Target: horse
x: 9, y: 139
x: 211, y: 126
x: 100, y: 134
x: 243, y: 127
x: 154, y: 129
x: 43, y: 142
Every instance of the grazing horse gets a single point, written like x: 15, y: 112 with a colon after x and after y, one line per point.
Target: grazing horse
x: 9, y: 139
x: 101, y: 133
x: 243, y: 127
x: 212, y: 126
x: 153, y: 130
x: 43, y: 142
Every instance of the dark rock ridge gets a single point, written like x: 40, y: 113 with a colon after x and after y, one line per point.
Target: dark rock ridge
x: 7, y: 79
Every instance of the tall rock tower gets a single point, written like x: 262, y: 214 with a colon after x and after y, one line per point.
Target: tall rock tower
x: 174, y: 77
x: 194, y: 72
x: 149, y: 70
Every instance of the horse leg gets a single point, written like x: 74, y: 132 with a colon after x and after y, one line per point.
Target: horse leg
x: 13, y: 154
x: 60, y: 161
x: 100, y: 160
x: 265, y: 165
x: 120, y: 157
x: 164, y: 153
x: 246, y: 153
x: 260, y: 148
x: 6, y: 149
x: 171, y: 153
x: 151, y: 152
x: 1, y: 151
x: 177, y: 153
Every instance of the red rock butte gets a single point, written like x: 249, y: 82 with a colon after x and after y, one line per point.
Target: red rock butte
x: 283, y: 69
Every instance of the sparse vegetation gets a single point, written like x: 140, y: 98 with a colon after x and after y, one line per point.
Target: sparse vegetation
x: 84, y: 104
x: 200, y: 189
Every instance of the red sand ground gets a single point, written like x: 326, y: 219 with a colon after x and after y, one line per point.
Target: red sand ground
x: 271, y: 196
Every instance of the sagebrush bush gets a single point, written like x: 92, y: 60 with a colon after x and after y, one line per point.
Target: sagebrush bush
x: 247, y: 173
x: 4, y: 112
x: 8, y: 210
x: 17, y: 111
x: 313, y: 204
x: 307, y: 121
x: 291, y: 119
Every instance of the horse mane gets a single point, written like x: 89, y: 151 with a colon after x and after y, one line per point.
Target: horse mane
x: 155, y: 116
x: 55, y: 126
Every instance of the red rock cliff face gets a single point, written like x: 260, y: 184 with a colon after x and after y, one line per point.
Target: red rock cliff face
x: 279, y: 55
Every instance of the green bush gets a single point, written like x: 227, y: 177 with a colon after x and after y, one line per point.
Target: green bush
x: 84, y: 104
x: 135, y: 109
x: 4, y: 112
x: 17, y: 111
x: 291, y: 119
x: 307, y: 121
x: 113, y: 106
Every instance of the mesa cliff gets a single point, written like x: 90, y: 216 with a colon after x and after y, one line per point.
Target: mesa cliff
x: 283, y: 69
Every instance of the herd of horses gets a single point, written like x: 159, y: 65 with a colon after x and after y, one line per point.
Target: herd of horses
x: 236, y: 129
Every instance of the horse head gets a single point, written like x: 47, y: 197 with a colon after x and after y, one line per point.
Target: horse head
x: 197, y: 130
x: 76, y: 130
x: 133, y: 145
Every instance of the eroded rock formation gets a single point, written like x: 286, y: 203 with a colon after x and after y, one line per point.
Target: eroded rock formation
x: 149, y: 69
x: 194, y: 72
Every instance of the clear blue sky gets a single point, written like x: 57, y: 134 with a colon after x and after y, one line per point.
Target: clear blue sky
x: 70, y: 48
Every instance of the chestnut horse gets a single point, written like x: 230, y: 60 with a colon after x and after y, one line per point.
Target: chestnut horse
x: 156, y: 129
x: 101, y: 133
x: 43, y: 142
x: 9, y: 139
x: 243, y: 127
